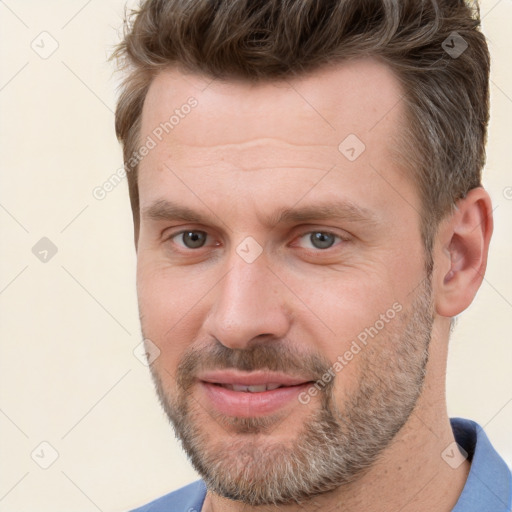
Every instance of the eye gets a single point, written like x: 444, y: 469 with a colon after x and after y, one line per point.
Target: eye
x: 190, y: 239
x: 319, y: 239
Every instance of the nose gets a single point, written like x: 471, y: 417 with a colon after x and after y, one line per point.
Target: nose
x: 249, y: 304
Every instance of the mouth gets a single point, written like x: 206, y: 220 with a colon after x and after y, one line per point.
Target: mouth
x: 251, y: 394
x: 260, y: 388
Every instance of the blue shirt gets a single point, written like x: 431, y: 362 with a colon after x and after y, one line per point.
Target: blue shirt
x: 487, y: 489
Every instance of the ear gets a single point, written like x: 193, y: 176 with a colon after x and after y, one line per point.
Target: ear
x: 461, y: 252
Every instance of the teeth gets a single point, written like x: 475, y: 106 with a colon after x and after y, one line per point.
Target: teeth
x: 252, y: 389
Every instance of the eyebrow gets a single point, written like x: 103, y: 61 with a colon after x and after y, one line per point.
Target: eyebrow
x: 163, y: 209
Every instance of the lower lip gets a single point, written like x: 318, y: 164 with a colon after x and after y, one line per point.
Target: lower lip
x: 246, y: 404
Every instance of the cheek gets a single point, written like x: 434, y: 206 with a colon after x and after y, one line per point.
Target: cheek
x: 170, y: 307
x: 350, y: 319
x: 342, y: 304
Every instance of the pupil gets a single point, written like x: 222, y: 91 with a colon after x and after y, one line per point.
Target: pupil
x: 322, y: 240
x: 194, y: 239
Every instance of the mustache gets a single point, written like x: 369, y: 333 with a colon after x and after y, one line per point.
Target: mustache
x: 276, y: 356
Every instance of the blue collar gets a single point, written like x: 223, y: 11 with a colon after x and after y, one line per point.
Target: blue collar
x: 489, y: 484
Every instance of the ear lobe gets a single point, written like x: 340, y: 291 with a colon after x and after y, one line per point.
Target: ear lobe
x: 465, y: 238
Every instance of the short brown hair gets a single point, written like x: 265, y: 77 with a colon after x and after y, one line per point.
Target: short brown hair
x: 446, y: 94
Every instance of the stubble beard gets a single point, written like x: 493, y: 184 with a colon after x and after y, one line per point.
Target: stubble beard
x: 334, y: 446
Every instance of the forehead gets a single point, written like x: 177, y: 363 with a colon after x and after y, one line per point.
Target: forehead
x: 360, y: 97
x: 219, y: 132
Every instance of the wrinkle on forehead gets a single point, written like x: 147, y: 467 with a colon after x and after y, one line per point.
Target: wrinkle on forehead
x: 255, y: 154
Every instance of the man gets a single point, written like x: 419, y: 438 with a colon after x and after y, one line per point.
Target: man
x: 305, y: 179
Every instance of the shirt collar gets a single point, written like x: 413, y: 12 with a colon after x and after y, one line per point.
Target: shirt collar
x: 489, y: 484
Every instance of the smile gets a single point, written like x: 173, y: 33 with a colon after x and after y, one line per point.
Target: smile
x: 252, y: 394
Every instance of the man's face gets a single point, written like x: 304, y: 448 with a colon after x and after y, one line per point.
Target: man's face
x: 276, y: 249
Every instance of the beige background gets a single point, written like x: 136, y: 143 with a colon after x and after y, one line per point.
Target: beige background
x: 68, y: 375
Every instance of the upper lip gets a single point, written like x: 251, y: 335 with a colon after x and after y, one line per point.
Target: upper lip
x: 256, y: 378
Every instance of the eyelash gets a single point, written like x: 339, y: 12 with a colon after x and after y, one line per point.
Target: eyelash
x: 300, y: 236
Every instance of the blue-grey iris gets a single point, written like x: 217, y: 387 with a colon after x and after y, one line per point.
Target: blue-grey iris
x: 322, y: 240
x: 194, y: 239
